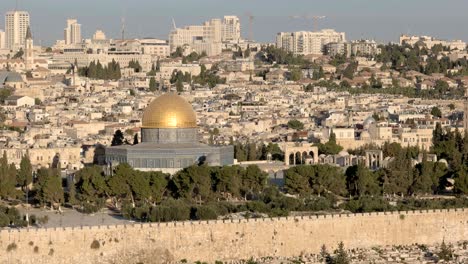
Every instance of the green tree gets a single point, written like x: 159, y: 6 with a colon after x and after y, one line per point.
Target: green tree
x: 18, y: 54
x: 25, y: 172
x: 52, y: 191
x: 445, y: 253
x: 361, y: 181
x: 7, y: 178
x: 341, y: 257
x: 436, y: 112
x: 119, y: 187
x: 179, y: 52
x: 295, y: 124
x: 118, y: 138
x: 179, y: 86
x: 240, y: 153
x: 153, y: 86
x: 295, y: 74
x: 252, y: 153
x: 331, y: 147
x: 461, y: 181
x: 135, y: 65
x: 350, y: 70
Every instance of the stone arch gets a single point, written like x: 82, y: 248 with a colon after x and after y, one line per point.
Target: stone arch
x: 298, y: 159
x: 304, y: 157
x: 297, y: 153
x: 291, y: 158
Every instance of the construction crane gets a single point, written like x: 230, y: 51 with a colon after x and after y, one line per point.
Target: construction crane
x: 251, y: 20
x: 314, y: 19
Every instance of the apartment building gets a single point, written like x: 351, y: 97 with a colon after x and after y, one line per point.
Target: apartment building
x: 72, y: 33
x: 308, y: 42
x: 207, y: 37
x: 16, y: 25
x: 431, y: 41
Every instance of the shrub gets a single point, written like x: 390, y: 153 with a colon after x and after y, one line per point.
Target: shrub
x: 203, y: 213
x: 4, y: 220
x: 141, y: 213
x: 11, y: 247
x: 366, y: 204
x: 95, y: 244
x: 36, y: 249
x: 43, y: 220
x: 317, y: 204
x: 88, y: 208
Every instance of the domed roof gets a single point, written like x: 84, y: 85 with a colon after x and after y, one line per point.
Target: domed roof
x: 9, y: 77
x: 343, y: 153
x: 169, y: 111
x: 368, y: 121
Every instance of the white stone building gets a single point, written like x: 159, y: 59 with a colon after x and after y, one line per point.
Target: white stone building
x: 308, y: 42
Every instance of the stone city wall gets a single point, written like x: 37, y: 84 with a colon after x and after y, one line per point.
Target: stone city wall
x: 229, y: 239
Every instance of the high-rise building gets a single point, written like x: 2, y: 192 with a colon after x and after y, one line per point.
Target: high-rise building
x: 72, y: 33
x: 207, y: 37
x: 16, y: 25
x: 308, y: 42
x: 2, y: 39
x: 231, y: 29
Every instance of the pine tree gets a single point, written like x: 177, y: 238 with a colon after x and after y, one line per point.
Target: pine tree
x: 252, y: 152
x: 7, y: 178
x: 92, y: 70
x: 153, y: 86
x: 25, y: 172
x: 445, y: 253
x: 52, y: 190
x: 135, y: 139
x: 341, y: 257
x: 118, y: 138
x: 158, y: 66
x: 179, y: 86
x: 99, y: 71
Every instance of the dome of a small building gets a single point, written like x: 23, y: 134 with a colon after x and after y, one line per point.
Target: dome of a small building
x: 368, y: 121
x: 343, y: 153
x: 13, y: 77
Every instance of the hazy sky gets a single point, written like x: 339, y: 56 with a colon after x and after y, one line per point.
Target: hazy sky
x: 383, y: 20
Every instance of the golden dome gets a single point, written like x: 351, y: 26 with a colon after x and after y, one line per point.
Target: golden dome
x: 169, y: 111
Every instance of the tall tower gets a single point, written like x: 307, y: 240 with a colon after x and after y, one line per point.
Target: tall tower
x: 16, y: 25
x: 72, y: 33
x: 29, y: 50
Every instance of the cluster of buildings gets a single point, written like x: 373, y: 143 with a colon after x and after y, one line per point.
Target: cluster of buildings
x: 326, y: 41
x: 56, y: 116
x: 207, y: 38
x: 430, y: 42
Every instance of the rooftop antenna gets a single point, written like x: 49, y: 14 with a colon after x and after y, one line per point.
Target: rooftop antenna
x: 174, y: 24
x: 251, y: 20
x: 16, y: 5
x: 123, y: 28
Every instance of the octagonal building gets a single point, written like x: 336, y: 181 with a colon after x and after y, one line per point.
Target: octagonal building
x: 169, y: 140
